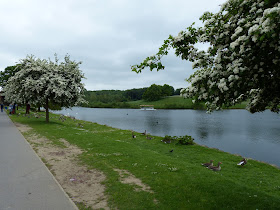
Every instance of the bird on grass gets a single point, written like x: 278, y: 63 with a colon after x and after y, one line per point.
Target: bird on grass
x: 208, y: 164
x: 166, y: 141
x: 145, y: 133
x: 149, y: 137
x: 133, y: 136
x: 171, y: 150
x: 242, y: 162
x: 80, y: 125
x: 216, y: 168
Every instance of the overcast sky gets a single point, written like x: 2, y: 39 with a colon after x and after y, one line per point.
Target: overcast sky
x: 108, y: 36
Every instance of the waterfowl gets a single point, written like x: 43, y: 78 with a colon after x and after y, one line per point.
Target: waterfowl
x: 144, y: 133
x: 208, y: 164
x: 215, y: 168
x: 242, y: 162
x: 166, y: 141
x: 149, y: 137
x: 133, y: 136
x: 80, y: 125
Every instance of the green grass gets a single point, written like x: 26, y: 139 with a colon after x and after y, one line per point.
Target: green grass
x: 242, y: 105
x: 172, y: 102
x: 177, y: 179
x: 178, y: 102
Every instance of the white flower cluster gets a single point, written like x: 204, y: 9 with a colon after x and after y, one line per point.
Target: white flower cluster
x: 244, y: 55
x: 223, y: 85
x: 39, y: 81
x: 180, y: 37
x: 241, y: 63
x: 149, y: 62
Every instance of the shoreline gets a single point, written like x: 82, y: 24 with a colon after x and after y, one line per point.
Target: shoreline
x: 154, y: 122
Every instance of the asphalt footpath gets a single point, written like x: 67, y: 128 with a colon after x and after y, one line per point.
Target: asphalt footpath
x: 25, y: 182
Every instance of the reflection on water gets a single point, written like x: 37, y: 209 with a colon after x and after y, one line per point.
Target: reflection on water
x: 236, y: 131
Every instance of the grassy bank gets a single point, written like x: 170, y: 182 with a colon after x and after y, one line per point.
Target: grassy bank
x: 174, y: 102
x: 176, y: 179
x: 178, y: 102
x: 171, y: 102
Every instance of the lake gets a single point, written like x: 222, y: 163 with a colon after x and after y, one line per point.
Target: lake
x: 254, y: 136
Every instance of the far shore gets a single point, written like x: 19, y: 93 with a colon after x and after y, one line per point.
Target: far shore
x: 171, y: 102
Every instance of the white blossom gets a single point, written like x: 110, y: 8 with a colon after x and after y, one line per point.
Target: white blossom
x: 179, y: 38
x: 244, y: 39
x: 40, y: 81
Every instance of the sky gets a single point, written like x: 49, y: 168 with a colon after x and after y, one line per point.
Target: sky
x: 107, y: 36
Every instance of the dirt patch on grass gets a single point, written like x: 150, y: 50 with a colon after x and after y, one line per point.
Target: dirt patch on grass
x: 128, y: 178
x: 81, y: 184
x: 22, y: 128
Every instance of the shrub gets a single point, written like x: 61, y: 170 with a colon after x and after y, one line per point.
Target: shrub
x: 183, y: 140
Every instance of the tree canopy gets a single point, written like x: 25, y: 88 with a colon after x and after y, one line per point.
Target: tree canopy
x: 167, y: 90
x: 135, y: 94
x: 243, y: 58
x: 156, y: 92
x: 45, y: 82
x: 8, y: 72
x: 153, y: 93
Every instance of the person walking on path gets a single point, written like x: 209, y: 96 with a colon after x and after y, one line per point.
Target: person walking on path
x: 2, y: 107
x: 14, y: 108
x: 27, y: 108
x: 10, y: 108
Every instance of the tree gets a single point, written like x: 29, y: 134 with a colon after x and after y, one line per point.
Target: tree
x: 135, y: 94
x: 178, y: 91
x: 167, y: 90
x: 7, y: 73
x: 242, y: 61
x: 46, y: 82
x: 153, y: 93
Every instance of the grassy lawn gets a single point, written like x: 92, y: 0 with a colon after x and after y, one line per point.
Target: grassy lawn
x: 177, y: 179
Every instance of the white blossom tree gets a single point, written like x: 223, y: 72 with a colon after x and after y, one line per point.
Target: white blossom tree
x: 46, y: 82
x: 242, y: 62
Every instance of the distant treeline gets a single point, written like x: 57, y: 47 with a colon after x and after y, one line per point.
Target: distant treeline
x: 119, y: 98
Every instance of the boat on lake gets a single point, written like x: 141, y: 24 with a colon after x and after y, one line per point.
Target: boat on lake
x: 147, y: 107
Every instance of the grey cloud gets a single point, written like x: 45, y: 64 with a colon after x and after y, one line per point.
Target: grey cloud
x: 107, y: 36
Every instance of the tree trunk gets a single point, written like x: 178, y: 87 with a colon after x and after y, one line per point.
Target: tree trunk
x: 47, y: 110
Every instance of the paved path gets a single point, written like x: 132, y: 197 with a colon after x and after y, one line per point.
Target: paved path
x: 25, y: 182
